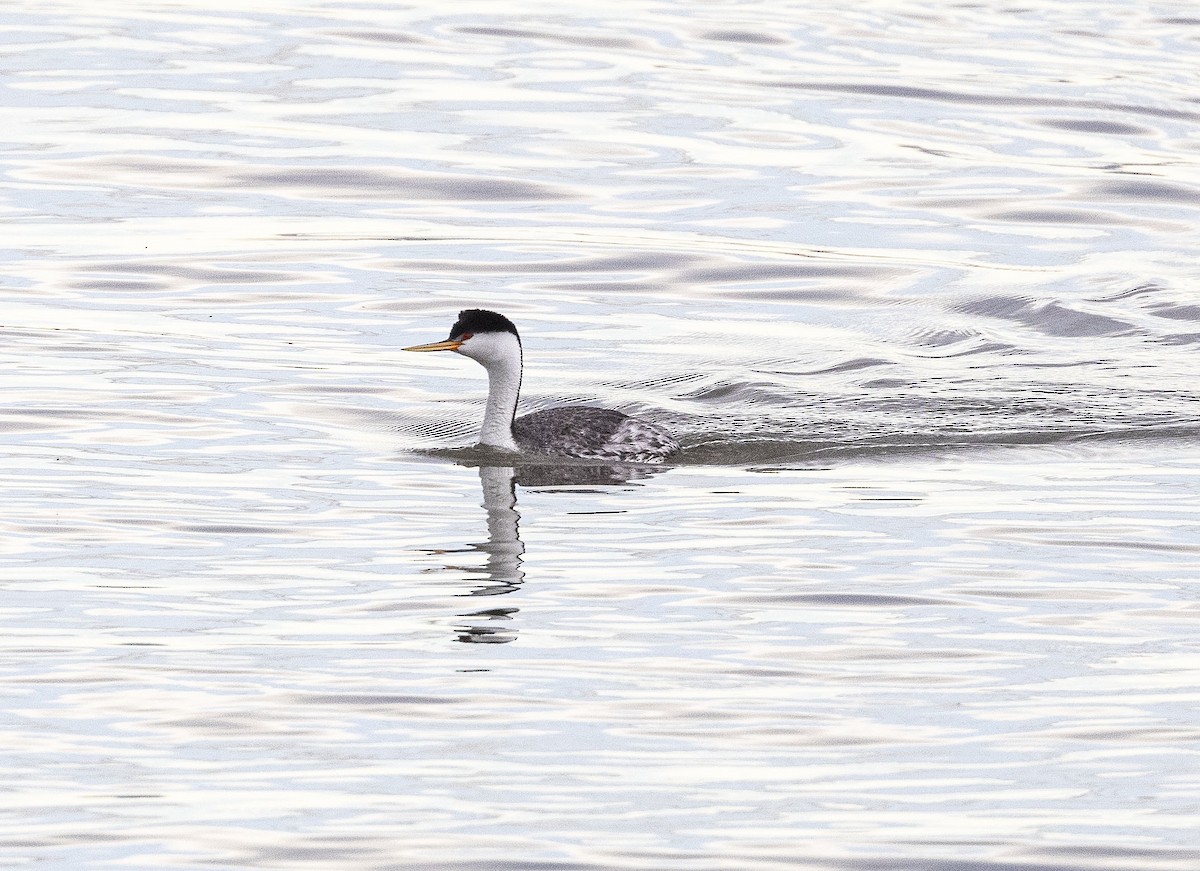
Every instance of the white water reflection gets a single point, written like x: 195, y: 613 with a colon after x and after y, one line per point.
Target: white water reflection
x: 928, y: 656
x: 914, y: 285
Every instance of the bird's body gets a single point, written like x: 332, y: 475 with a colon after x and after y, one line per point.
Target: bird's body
x: 594, y: 433
x: 575, y: 431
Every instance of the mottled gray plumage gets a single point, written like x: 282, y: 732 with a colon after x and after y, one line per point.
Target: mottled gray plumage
x: 593, y: 433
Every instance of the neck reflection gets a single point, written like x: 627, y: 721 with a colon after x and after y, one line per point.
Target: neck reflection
x: 502, y: 570
x: 502, y: 573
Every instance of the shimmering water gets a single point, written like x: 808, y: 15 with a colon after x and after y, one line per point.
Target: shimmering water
x: 914, y: 284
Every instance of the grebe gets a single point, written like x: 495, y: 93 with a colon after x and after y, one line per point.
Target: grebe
x: 491, y: 340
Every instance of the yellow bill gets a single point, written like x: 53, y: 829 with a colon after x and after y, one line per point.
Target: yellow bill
x: 448, y: 345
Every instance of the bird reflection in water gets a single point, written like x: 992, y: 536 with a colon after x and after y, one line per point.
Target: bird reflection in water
x: 502, y: 572
x: 504, y: 549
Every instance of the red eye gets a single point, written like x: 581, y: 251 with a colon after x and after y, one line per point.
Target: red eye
x: 465, y: 336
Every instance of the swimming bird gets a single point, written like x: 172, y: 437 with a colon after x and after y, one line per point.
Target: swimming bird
x: 490, y: 339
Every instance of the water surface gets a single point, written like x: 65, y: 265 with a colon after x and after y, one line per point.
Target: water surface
x: 914, y: 286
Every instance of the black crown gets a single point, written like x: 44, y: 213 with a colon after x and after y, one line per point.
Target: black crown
x: 479, y: 320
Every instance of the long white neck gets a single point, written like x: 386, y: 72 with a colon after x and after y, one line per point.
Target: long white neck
x: 504, y: 386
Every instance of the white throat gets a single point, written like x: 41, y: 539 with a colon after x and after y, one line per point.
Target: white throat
x: 500, y: 355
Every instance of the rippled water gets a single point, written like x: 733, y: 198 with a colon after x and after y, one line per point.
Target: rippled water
x: 915, y: 285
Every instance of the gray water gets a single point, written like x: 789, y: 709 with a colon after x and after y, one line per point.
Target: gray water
x: 914, y: 284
